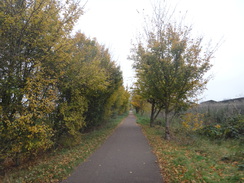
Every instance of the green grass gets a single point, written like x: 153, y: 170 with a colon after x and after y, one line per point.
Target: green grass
x: 58, y: 165
x: 198, y: 160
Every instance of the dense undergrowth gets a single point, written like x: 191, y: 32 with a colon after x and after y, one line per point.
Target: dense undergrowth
x: 193, y: 157
x: 58, y: 164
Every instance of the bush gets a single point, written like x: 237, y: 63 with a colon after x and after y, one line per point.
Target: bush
x: 232, y: 129
x: 192, y: 122
x: 212, y: 131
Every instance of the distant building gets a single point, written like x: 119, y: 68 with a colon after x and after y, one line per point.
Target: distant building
x: 233, y: 100
x: 223, y: 101
x: 230, y: 106
x: 208, y: 102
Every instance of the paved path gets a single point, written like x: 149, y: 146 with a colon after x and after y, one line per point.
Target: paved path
x: 125, y: 157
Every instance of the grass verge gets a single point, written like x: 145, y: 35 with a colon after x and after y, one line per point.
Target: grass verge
x: 58, y: 165
x: 201, y: 160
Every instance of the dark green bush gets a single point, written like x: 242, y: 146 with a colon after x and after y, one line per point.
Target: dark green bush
x: 232, y: 129
x: 210, y: 131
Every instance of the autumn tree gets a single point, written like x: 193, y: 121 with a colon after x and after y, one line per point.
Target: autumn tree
x: 53, y: 84
x: 138, y: 103
x: 34, y: 42
x: 89, y: 92
x: 170, y: 66
x: 119, y: 101
x: 100, y: 104
x: 83, y: 78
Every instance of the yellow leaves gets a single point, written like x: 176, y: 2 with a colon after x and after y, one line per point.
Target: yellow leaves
x: 136, y: 100
x: 53, y: 77
x: 192, y: 121
x: 40, y: 95
x: 16, y: 148
x: 117, y: 103
x: 93, y: 76
x: 170, y: 65
x: 217, y: 126
x: 28, y: 136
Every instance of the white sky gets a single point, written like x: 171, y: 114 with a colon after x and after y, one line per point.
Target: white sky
x: 116, y: 23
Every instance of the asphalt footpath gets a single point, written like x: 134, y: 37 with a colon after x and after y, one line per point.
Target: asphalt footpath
x: 125, y: 157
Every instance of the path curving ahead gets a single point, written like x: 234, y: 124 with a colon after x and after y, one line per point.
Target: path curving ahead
x: 125, y: 157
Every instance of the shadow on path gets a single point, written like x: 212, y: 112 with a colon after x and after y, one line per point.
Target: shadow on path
x: 125, y: 157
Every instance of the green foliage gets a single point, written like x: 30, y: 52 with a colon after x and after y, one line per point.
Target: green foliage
x: 139, y: 104
x: 170, y: 66
x: 34, y: 40
x: 119, y: 101
x: 102, y: 104
x: 82, y: 78
x: 56, y: 166
x: 212, y: 131
x: 53, y: 85
x: 142, y: 119
x: 232, y: 129
x: 198, y: 160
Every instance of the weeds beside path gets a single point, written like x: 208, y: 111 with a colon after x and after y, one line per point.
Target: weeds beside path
x: 58, y: 165
x: 200, y: 161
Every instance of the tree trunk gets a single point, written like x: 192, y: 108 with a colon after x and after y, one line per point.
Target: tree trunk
x: 152, y: 114
x: 167, y: 125
x: 17, y: 159
x: 137, y: 110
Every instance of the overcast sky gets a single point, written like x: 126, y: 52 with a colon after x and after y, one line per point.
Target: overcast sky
x: 117, y: 23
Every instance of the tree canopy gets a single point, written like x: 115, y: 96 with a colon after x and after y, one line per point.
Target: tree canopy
x: 170, y: 66
x: 53, y: 85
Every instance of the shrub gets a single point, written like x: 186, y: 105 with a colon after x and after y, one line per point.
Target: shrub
x: 192, y: 122
x: 212, y: 131
x: 232, y: 129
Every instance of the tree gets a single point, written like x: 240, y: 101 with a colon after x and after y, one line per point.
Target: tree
x: 170, y: 66
x: 83, y: 78
x: 100, y: 105
x: 34, y: 42
x: 120, y: 100
x: 138, y: 103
